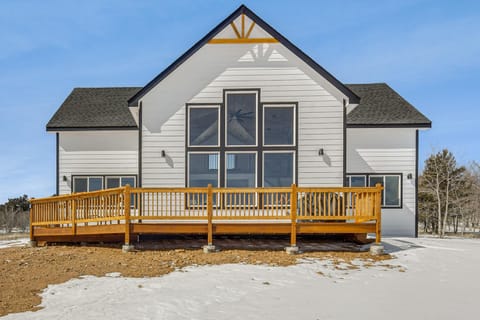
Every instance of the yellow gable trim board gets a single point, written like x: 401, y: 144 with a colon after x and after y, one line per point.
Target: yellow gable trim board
x: 236, y: 41
x: 241, y: 36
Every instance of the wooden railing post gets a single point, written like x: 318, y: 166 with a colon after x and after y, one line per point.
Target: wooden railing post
x: 378, y: 213
x: 139, y: 204
x: 86, y: 210
x: 210, y: 214
x: 73, y: 212
x: 126, y: 203
x: 293, y: 216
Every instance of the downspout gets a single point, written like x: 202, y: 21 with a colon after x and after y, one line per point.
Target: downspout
x: 140, y: 127
x: 416, y: 183
x: 57, y: 163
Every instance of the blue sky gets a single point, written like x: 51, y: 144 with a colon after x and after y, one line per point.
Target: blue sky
x: 429, y: 51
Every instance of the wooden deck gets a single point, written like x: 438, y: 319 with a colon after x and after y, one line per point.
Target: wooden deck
x: 122, y: 213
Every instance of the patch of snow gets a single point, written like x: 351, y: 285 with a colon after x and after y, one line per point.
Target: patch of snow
x: 429, y: 279
x: 13, y: 243
x: 113, y: 274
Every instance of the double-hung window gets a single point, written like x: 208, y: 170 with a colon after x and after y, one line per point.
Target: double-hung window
x: 241, y: 142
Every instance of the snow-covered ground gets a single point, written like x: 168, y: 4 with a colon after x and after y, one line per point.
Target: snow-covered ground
x: 430, y: 279
x: 13, y: 243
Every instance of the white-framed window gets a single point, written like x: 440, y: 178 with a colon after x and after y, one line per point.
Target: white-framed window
x: 357, y: 180
x: 391, y: 196
x: 241, y: 118
x: 279, y: 124
x: 85, y: 183
x: 278, y: 168
x: 203, y: 169
x: 241, y: 169
x: 240, y: 172
x: 204, y: 125
x: 120, y: 181
x: 391, y: 182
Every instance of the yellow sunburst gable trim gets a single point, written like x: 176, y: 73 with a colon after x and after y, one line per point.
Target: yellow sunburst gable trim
x: 242, y: 37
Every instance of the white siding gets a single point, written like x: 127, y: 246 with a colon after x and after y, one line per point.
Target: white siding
x: 96, y: 153
x: 387, y: 150
x: 320, y: 116
x: 284, y: 78
x: 168, y: 171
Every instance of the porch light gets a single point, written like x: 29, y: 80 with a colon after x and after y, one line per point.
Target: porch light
x: 409, y: 176
x: 163, y: 153
x: 64, y: 178
x: 321, y: 152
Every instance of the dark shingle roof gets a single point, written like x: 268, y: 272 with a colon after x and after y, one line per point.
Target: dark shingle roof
x: 380, y: 105
x: 107, y: 108
x: 95, y: 108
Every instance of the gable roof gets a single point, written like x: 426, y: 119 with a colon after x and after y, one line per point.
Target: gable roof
x: 133, y: 101
x: 381, y: 106
x: 95, y: 108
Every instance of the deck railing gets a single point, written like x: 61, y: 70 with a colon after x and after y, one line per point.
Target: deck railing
x: 126, y: 206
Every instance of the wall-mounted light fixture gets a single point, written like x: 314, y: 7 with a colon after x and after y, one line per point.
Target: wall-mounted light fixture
x: 163, y: 154
x: 321, y: 152
x: 409, y: 176
x: 64, y: 178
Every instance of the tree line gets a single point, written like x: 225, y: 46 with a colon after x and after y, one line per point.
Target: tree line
x: 449, y: 195
x: 14, y: 214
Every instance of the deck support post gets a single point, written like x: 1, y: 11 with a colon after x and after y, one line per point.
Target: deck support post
x: 209, y: 247
x: 32, y: 243
x: 293, y: 249
x: 377, y: 248
x: 378, y: 214
x: 126, y: 201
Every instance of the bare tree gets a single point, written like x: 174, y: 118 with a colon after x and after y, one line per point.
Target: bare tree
x: 445, y: 184
x: 15, y: 214
x: 471, y: 213
x: 427, y: 211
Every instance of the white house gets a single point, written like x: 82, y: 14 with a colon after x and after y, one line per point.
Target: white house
x: 244, y: 107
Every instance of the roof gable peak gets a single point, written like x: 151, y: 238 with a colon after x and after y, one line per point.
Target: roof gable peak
x: 243, y: 36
